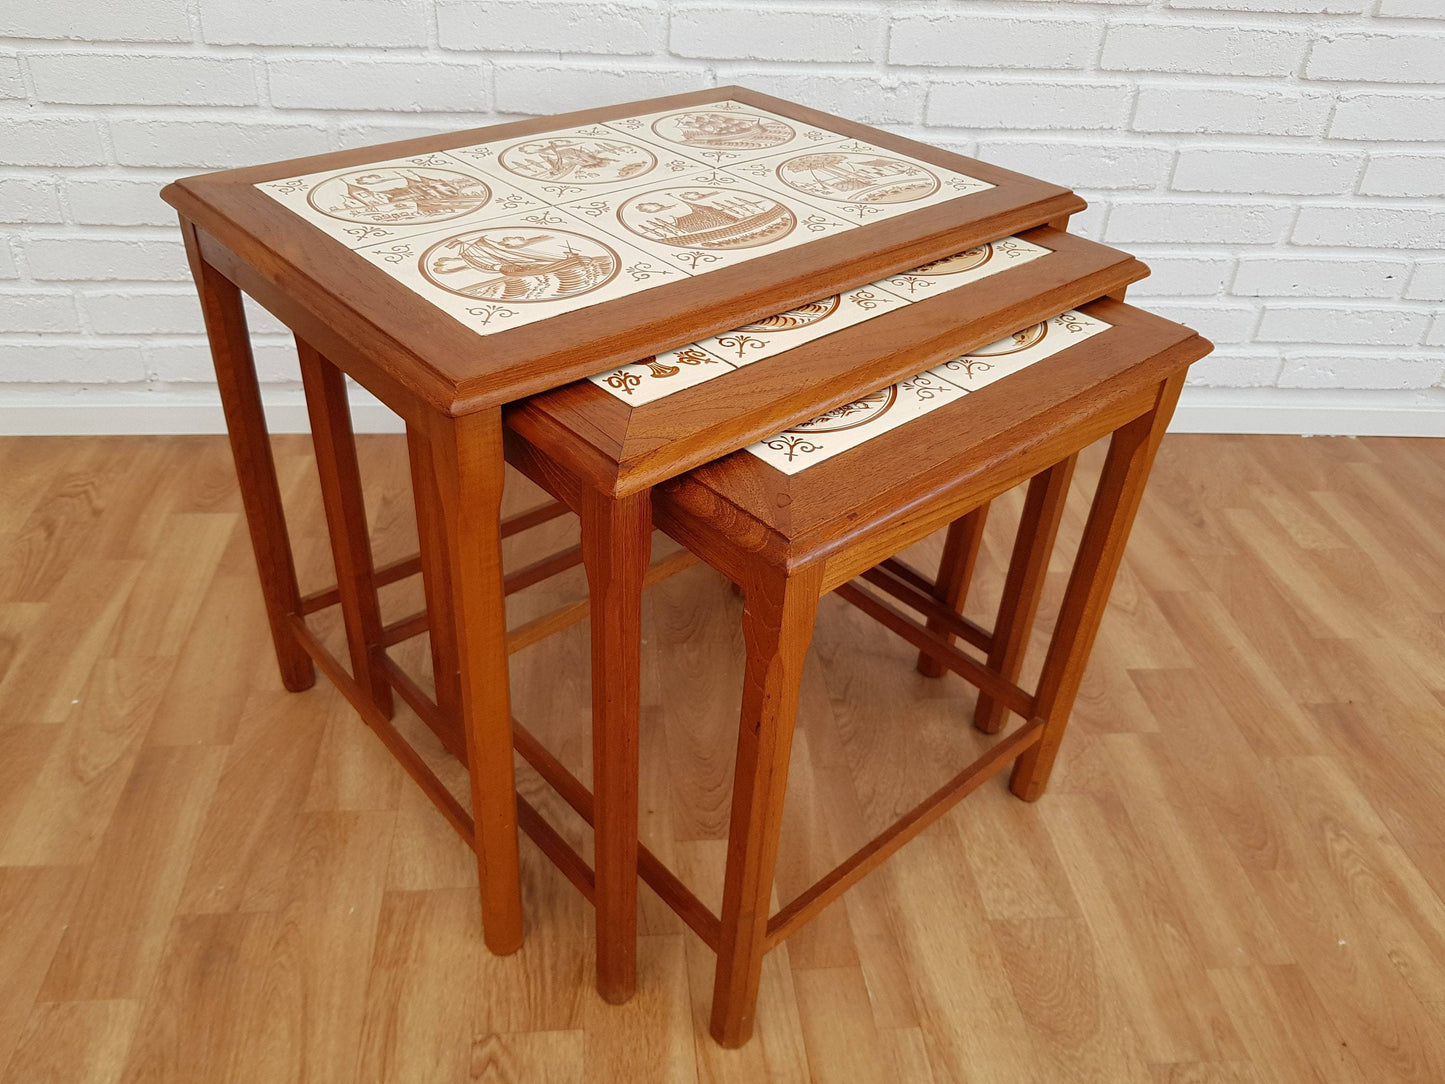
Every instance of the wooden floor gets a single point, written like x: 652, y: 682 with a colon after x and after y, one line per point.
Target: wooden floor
x: 1237, y: 875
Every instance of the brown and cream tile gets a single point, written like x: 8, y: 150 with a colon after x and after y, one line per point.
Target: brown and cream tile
x: 721, y: 133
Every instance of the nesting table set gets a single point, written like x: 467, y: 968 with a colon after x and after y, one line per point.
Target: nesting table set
x: 793, y: 343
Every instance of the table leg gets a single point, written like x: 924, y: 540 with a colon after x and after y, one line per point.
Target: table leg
x: 1024, y: 584
x: 255, y: 468
x: 955, y: 572
x: 466, y: 459
x: 616, y: 547
x: 341, y: 494
x: 1121, y: 487
x: 777, y: 627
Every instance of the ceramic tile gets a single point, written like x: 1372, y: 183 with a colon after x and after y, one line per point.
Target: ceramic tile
x: 787, y: 330
x: 504, y: 273
x: 398, y: 198
x: 1020, y: 350
x: 951, y: 272
x: 721, y: 133
x: 860, y: 181
x: 662, y: 374
x: 572, y: 163
x: 705, y: 221
x: 850, y: 425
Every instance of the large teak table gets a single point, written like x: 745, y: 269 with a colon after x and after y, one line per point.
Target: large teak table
x: 452, y: 275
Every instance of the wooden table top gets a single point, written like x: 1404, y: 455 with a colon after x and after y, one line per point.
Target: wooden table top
x: 478, y: 267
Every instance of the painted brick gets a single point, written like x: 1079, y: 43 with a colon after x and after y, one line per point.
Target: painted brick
x: 39, y: 311
x: 81, y: 362
x: 142, y: 312
x: 365, y: 134
x: 1355, y: 226
x: 1231, y: 110
x: 1351, y: 324
x: 1360, y: 371
x: 1404, y: 175
x: 8, y: 268
x: 26, y: 199
x: 1288, y: 7
x: 774, y: 33
x: 12, y: 83
x: 51, y: 141
x: 1107, y: 165
x: 1428, y: 281
x: 1091, y: 221
x: 116, y: 201
x: 1019, y: 104
x: 867, y: 98
x: 101, y: 79
x: 525, y: 26
x: 528, y: 89
x: 1235, y: 369
x: 1310, y: 276
x: 1172, y: 275
x: 967, y: 40
x: 95, y: 258
x: 1231, y: 169
x: 200, y: 144
x: 1379, y: 58
x: 1217, y: 321
x: 1412, y: 9
x: 85, y: 20
x: 406, y: 86
x: 315, y: 22
x: 1213, y: 50
x: 1436, y: 335
x: 190, y: 362
x: 1392, y: 116
x: 1197, y: 222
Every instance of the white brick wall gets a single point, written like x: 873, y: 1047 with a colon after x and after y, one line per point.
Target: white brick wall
x: 1279, y: 163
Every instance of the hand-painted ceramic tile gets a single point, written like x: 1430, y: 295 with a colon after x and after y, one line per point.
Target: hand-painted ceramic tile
x: 1020, y: 350
x: 852, y: 424
x: 952, y: 272
x: 574, y: 162
x: 858, y: 180
x: 787, y: 330
x: 662, y: 375
x: 706, y: 221
x: 721, y: 133
x: 388, y: 200
x: 501, y: 274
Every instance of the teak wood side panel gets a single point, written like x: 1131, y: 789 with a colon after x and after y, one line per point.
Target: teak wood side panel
x: 455, y: 370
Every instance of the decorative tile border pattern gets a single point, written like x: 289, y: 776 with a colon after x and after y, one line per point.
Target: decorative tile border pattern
x: 854, y: 423
x: 652, y: 379
x: 512, y: 231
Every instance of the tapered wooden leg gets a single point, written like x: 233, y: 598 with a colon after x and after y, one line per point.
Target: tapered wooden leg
x: 1024, y: 584
x: 255, y: 468
x: 436, y: 585
x: 466, y: 455
x: 777, y: 627
x: 616, y: 545
x: 341, y: 494
x: 955, y: 572
x: 1121, y: 487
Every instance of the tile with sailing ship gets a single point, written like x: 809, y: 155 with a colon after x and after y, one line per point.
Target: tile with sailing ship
x: 572, y: 163
x: 721, y: 133
x: 705, y: 221
x: 785, y: 330
x: 662, y: 374
x: 384, y: 201
x: 1023, y: 348
x: 500, y: 274
x: 951, y: 272
x: 859, y: 181
x: 852, y: 424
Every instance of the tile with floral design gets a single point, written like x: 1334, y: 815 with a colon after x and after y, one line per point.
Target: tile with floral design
x: 997, y: 360
x: 663, y: 374
x: 951, y: 272
x: 721, y: 133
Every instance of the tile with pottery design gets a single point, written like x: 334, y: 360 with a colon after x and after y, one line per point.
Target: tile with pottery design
x: 952, y: 272
x: 854, y: 423
x: 704, y: 221
x: 786, y: 330
x: 513, y: 271
x: 862, y: 182
x: 721, y: 133
x: 848, y: 426
x: 388, y: 200
x: 572, y: 163
x: 995, y: 361
x: 662, y: 374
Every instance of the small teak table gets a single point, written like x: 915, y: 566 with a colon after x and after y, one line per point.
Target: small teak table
x: 452, y: 275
